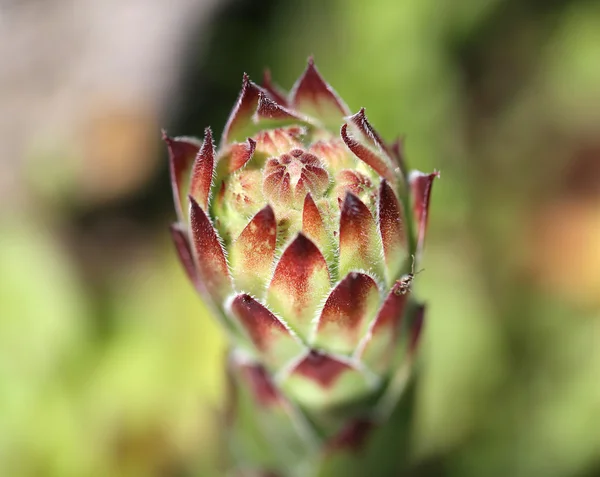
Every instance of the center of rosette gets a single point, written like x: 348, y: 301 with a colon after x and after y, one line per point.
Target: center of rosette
x: 288, y: 178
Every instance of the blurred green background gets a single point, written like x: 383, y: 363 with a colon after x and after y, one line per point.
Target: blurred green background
x: 109, y: 364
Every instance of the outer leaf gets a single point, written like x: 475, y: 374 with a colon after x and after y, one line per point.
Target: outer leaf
x: 202, y: 171
x: 378, y: 349
x: 251, y: 255
x: 347, y: 313
x: 391, y: 228
x: 313, y: 225
x: 240, y: 118
x: 375, y: 449
x: 299, y: 284
x: 263, y: 432
x: 312, y: 95
x: 360, y: 246
x: 362, y: 139
x: 273, y: 90
x: 180, y: 238
x: 182, y: 152
x: 269, y: 110
x: 208, y: 254
x: 421, y: 184
x: 268, y: 334
x: 320, y: 382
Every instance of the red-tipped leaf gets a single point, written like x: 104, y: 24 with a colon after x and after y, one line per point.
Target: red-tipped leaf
x: 312, y: 95
x: 391, y: 228
x: 275, y: 93
x: 320, y: 381
x: 184, y: 252
x: 362, y: 139
x: 251, y: 255
x: 182, y: 152
x: 256, y: 378
x: 268, y: 334
x: 360, y: 247
x: 368, y: 156
x: 241, y: 115
x: 299, y: 284
x: 202, y: 171
x: 347, y: 313
x: 237, y: 156
x: 378, y: 347
x: 420, y: 184
x: 208, y: 254
x: 269, y: 110
x: 313, y: 225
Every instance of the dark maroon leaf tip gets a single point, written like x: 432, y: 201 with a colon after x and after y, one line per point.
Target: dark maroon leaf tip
x: 262, y: 388
x: 367, y: 150
x: 321, y: 368
x: 269, y: 109
x: 352, y: 437
x: 258, y: 321
x: 184, y: 251
x: 313, y: 95
x: 274, y: 91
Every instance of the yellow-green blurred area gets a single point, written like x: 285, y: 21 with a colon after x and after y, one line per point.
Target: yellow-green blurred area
x: 109, y: 363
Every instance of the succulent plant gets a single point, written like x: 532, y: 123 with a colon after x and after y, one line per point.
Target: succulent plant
x: 301, y: 232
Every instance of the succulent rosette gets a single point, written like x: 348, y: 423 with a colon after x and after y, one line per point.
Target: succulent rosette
x: 302, y: 231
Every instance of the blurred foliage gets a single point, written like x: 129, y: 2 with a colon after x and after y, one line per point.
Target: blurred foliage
x: 109, y: 364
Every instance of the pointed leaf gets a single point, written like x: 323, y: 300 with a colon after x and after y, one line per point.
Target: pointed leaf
x: 208, y: 253
x: 263, y: 430
x: 299, y: 284
x: 377, y: 350
x: 251, y: 255
x: 182, y: 152
x: 391, y: 227
x: 184, y: 252
x: 320, y: 381
x: 420, y: 184
x: 312, y: 95
x: 352, y: 437
x: 368, y: 134
x: 269, y: 112
x: 360, y: 245
x: 367, y: 145
x: 256, y: 379
x: 347, y: 313
x: 202, y: 171
x: 275, y: 93
x: 313, y: 225
x: 268, y: 334
x: 241, y: 116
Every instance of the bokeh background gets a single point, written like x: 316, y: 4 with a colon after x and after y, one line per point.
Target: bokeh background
x: 109, y: 364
